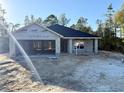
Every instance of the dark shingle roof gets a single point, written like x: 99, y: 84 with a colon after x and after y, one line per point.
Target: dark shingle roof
x: 69, y: 32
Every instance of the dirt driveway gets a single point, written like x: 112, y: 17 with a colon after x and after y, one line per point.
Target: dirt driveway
x: 102, y: 72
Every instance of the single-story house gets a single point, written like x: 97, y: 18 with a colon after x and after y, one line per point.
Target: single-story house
x: 38, y: 39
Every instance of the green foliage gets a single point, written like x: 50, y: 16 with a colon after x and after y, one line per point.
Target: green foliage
x: 73, y: 26
x: 108, y: 41
x: 99, y: 31
x: 30, y: 20
x: 109, y: 17
x: 26, y: 20
x: 3, y: 31
x: 111, y: 43
x: 119, y: 19
x: 81, y: 25
x: 39, y: 20
x: 107, y: 31
x: 51, y: 20
x: 63, y: 20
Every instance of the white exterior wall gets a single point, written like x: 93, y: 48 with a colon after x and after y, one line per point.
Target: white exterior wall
x: 12, y: 48
x: 32, y: 34
x: 96, y: 46
x: 57, y: 45
x: 40, y: 34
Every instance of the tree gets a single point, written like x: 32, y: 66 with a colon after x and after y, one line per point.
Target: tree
x: 109, y: 40
x: 32, y: 19
x: 26, y: 20
x: 110, y: 20
x: 88, y: 30
x: 99, y: 30
x: 39, y: 21
x: 3, y: 31
x: 73, y: 26
x: 119, y: 19
x: 63, y: 20
x: 81, y: 23
x: 51, y: 20
x: 109, y: 17
x: 13, y: 27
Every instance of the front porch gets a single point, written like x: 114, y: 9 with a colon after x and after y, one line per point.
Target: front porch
x: 79, y: 46
x: 45, y: 47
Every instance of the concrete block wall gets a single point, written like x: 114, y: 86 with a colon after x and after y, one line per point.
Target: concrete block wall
x: 88, y: 46
x: 4, y: 44
x: 34, y: 33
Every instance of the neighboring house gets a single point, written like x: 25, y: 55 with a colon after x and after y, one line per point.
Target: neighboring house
x: 38, y: 39
x: 119, y: 33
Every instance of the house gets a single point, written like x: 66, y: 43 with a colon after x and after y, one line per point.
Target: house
x: 38, y: 39
x: 119, y: 33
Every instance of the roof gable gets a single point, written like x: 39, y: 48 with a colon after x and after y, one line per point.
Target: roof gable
x: 34, y: 32
x: 34, y: 28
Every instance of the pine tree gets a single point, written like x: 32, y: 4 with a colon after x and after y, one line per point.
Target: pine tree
x: 3, y: 31
x: 63, y: 20
x: 26, y: 21
x: 39, y: 20
x: 81, y: 24
x: 99, y: 30
x: 109, y: 17
x: 51, y: 20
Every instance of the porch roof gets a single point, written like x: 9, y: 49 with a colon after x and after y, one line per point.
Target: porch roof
x: 69, y: 32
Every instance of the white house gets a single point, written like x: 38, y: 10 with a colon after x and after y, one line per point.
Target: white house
x: 38, y: 39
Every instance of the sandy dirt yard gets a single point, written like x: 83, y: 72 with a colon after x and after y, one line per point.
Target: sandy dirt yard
x: 101, y: 72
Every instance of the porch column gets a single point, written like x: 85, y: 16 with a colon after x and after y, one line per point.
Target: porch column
x: 12, y: 51
x: 70, y: 46
x: 57, y: 46
x: 96, y: 46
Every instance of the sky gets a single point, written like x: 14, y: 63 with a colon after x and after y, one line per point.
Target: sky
x: 90, y: 9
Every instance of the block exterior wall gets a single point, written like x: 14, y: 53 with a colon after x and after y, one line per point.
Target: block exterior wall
x: 34, y: 33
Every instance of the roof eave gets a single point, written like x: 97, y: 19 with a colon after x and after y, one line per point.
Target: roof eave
x: 82, y: 37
